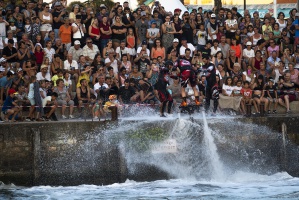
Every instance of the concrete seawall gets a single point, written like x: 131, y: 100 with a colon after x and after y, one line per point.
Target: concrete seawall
x: 73, y: 153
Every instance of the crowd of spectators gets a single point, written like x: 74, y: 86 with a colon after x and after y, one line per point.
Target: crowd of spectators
x: 90, y: 56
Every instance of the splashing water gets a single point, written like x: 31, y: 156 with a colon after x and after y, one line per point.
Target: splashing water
x: 215, y: 163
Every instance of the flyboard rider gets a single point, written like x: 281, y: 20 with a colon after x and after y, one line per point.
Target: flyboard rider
x: 208, y: 69
x: 161, y: 91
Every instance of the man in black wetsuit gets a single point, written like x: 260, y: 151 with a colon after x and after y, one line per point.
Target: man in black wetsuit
x: 209, y: 71
x: 161, y: 91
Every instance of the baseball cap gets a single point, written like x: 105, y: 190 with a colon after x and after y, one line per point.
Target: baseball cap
x: 184, y: 38
x: 144, y: 42
x: 38, y: 44
x: 143, y: 13
x: 19, y: 70
x: 2, y: 60
x: 213, y: 15
x: 57, y: 3
x: 77, y: 42
x: 248, y: 43
x: 153, y: 22
x: 175, y: 40
x: 272, y: 80
x: 11, y: 91
x: 177, y: 9
x: 103, y: 6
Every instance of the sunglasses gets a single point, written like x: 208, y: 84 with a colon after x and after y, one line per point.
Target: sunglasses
x: 47, y: 7
x: 213, y: 18
x: 88, y: 42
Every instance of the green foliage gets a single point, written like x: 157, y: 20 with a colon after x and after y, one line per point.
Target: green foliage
x: 94, y: 4
x: 140, y: 140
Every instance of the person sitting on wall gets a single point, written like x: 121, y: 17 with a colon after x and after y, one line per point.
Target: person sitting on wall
x: 10, y: 107
x: 112, y: 102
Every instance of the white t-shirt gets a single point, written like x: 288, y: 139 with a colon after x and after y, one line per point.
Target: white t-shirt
x: 40, y: 77
x: 147, y: 51
x: 190, y: 46
x: 67, y: 65
x: 214, y: 51
x: 249, y: 53
x: 123, y: 51
x: 228, y: 89
x: 237, y: 90
x: 14, y: 39
x: 248, y: 78
x: 152, y: 32
x: 201, y: 37
x: 231, y: 23
x: 98, y: 86
x: 78, y: 34
x: 113, y: 65
x: 49, y: 53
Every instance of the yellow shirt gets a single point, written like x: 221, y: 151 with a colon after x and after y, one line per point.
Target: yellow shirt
x: 83, y: 76
x: 55, y: 78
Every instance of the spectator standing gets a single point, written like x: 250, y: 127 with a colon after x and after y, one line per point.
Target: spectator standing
x: 58, y: 18
x: 141, y: 28
x: 105, y: 32
x: 46, y: 20
x: 78, y: 30
x: 65, y: 33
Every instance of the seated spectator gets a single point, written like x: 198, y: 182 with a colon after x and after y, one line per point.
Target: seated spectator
x: 270, y: 93
x: 50, y: 106
x: 143, y: 49
x: 60, y: 49
x: 43, y: 74
x: 82, y: 95
x: 111, y: 61
x: 147, y: 94
x: 64, y: 99
x: 76, y: 51
x: 90, y: 50
x: 186, y: 45
x: 288, y: 92
x: 56, y: 64
x: 246, y: 96
x: 257, y: 96
x: 10, y: 107
x: 85, y: 74
x: 248, y: 54
x: 227, y: 99
x: 126, y: 92
x: 136, y: 74
x: 96, y: 107
x: 158, y: 50
x: 71, y: 67
x: 108, y: 49
x: 11, y: 55
x: 100, y: 88
x: 215, y: 48
x: 122, y: 50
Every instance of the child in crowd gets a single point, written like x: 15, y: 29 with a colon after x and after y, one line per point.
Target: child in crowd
x: 201, y: 37
x: 10, y: 107
x: 39, y: 54
x: 57, y: 76
x: 246, y: 96
x: 131, y: 44
x: 271, y: 94
x: 96, y: 107
x: 112, y: 102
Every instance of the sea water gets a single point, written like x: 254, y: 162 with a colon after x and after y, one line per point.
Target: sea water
x: 240, y: 186
x: 191, y: 180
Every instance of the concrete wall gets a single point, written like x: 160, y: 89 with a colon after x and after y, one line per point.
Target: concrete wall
x: 73, y: 153
x: 57, y: 153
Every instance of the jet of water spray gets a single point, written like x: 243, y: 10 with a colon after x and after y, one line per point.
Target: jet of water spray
x: 217, y: 169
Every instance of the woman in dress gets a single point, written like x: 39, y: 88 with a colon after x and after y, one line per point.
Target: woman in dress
x: 168, y: 30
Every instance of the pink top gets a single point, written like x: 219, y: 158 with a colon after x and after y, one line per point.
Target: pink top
x: 294, y: 77
x: 270, y: 49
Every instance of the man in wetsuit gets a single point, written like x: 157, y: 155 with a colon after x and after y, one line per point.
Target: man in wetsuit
x: 161, y: 91
x: 209, y: 71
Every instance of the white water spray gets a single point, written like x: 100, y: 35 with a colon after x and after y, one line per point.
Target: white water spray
x: 212, y: 154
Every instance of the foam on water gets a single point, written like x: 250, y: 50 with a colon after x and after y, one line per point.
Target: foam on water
x: 243, y: 186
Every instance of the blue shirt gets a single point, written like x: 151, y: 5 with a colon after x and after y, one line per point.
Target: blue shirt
x: 296, y: 22
x: 7, y: 103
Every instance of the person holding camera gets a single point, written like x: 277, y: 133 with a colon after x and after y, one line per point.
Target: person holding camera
x: 58, y: 18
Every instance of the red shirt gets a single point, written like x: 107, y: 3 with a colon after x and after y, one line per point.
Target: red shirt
x: 105, y: 28
x: 246, y: 92
x: 39, y: 57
